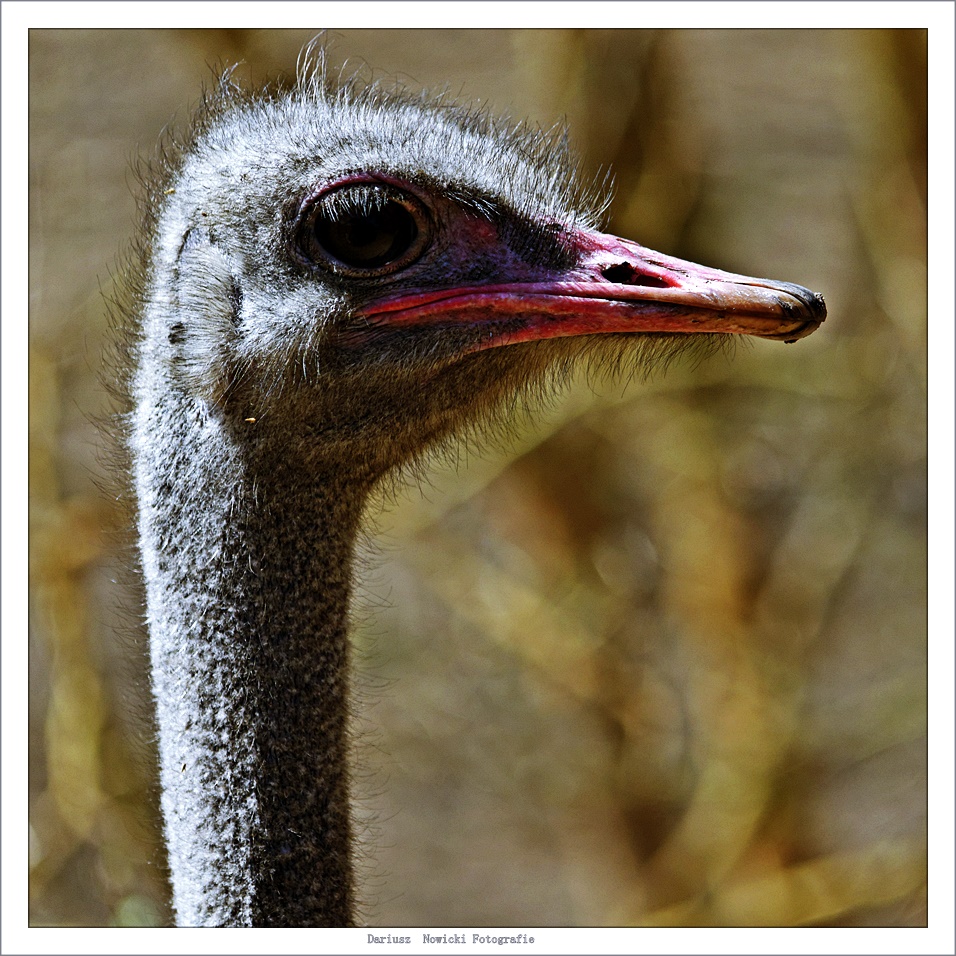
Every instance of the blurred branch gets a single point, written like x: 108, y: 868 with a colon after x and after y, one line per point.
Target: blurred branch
x: 817, y: 892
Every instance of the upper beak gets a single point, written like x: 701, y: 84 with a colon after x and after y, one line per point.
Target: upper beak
x: 615, y: 285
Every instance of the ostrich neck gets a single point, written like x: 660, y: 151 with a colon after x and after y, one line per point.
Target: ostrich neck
x: 247, y: 555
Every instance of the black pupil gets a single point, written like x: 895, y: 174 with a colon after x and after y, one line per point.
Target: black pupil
x: 367, y: 238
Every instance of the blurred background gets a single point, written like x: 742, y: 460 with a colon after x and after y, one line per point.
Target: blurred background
x: 662, y: 663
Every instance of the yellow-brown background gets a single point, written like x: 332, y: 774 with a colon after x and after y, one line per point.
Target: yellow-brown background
x: 665, y: 662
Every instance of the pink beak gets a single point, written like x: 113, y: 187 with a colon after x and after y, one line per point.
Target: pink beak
x: 615, y: 286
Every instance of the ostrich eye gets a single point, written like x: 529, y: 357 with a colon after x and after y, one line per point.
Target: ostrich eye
x: 363, y: 230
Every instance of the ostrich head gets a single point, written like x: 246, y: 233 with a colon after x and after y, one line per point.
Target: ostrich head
x: 380, y: 272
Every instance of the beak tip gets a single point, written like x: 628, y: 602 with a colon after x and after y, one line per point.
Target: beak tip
x: 809, y: 308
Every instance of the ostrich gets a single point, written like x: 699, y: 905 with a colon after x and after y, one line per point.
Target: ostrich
x: 333, y: 281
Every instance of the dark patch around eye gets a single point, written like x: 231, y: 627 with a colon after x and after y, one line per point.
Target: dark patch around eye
x: 540, y: 244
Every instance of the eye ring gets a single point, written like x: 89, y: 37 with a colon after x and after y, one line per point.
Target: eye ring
x: 362, y: 228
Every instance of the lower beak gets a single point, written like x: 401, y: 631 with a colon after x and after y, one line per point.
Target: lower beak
x: 615, y: 286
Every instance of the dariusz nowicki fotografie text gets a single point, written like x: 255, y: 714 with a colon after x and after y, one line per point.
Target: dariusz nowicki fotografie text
x: 462, y: 938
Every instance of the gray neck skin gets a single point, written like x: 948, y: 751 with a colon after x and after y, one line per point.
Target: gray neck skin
x: 247, y: 556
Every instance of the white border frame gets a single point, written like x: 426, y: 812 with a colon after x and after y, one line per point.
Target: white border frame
x: 19, y: 17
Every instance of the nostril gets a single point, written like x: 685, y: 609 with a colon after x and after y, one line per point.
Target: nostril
x: 623, y: 273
